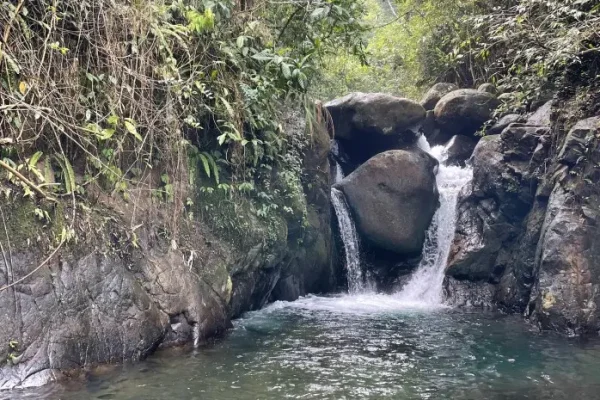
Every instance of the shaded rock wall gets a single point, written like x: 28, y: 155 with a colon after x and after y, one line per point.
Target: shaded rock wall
x: 133, y: 281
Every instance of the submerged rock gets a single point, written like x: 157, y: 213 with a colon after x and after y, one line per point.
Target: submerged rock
x: 464, y: 111
x: 393, y: 197
x: 437, y: 91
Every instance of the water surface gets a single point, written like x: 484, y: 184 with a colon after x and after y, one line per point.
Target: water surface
x: 358, y: 347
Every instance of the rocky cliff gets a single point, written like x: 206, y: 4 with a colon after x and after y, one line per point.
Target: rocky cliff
x: 132, y: 281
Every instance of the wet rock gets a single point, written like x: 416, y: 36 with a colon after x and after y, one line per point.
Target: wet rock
x: 464, y: 111
x: 506, y: 171
x: 437, y: 91
x: 465, y: 294
x: 459, y: 149
x: 393, y: 197
x: 370, y: 123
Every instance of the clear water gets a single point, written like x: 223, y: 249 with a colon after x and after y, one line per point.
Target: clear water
x: 425, y: 285
x: 356, y: 347
x: 354, y: 272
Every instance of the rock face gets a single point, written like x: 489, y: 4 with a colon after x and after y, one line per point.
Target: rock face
x: 309, y: 268
x: 460, y: 148
x: 527, y: 237
x: 490, y: 210
x: 113, y: 296
x: 370, y: 123
x: 393, y: 197
x: 437, y: 91
x: 566, y: 296
x: 464, y: 111
x: 94, y: 305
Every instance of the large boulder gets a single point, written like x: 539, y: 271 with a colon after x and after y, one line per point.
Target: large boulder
x: 464, y: 111
x: 370, y: 123
x: 437, y: 91
x: 393, y: 197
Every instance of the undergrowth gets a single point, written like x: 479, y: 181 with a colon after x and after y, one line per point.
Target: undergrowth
x: 180, y: 98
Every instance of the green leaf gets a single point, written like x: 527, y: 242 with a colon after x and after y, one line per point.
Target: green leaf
x: 205, y: 163
x: 285, y: 68
x: 227, y: 106
x: 262, y: 56
x: 105, y: 134
x: 113, y: 120
x: 240, y: 41
x: 34, y: 160
x: 215, y: 168
x: 68, y: 174
x: 131, y: 128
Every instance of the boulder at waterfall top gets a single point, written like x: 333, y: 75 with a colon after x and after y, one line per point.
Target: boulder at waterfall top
x: 370, y: 123
x: 393, y: 197
x: 437, y: 91
x: 464, y: 111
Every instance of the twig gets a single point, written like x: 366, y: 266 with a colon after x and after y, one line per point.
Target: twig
x: 46, y: 261
x: 9, y: 26
x: 26, y: 181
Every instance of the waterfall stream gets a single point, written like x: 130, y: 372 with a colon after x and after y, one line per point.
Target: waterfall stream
x: 349, y: 236
x: 425, y: 285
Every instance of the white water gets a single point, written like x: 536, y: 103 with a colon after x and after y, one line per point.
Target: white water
x: 425, y: 286
x: 356, y: 281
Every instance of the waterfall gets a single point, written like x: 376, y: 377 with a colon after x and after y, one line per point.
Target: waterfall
x: 350, y: 238
x: 425, y: 285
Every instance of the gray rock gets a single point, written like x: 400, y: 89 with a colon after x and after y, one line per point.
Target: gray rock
x: 465, y: 294
x: 489, y: 88
x: 542, y: 116
x: 373, y: 114
x: 578, y: 141
x: 505, y: 177
x: 393, y: 197
x: 437, y: 91
x: 503, y: 122
x: 566, y: 296
x: 371, y: 123
x: 459, y: 149
x: 464, y: 111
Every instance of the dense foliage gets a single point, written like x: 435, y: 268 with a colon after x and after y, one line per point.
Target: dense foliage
x: 522, y: 45
x: 156, y: 94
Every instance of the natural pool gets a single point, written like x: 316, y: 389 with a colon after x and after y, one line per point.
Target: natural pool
x: 357, y: 347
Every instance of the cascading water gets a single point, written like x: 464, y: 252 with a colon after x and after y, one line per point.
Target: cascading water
x: 350, y: 238
x: 425, y: 286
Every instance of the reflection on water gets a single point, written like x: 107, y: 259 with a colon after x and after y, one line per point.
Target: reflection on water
x: 358, y: 347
